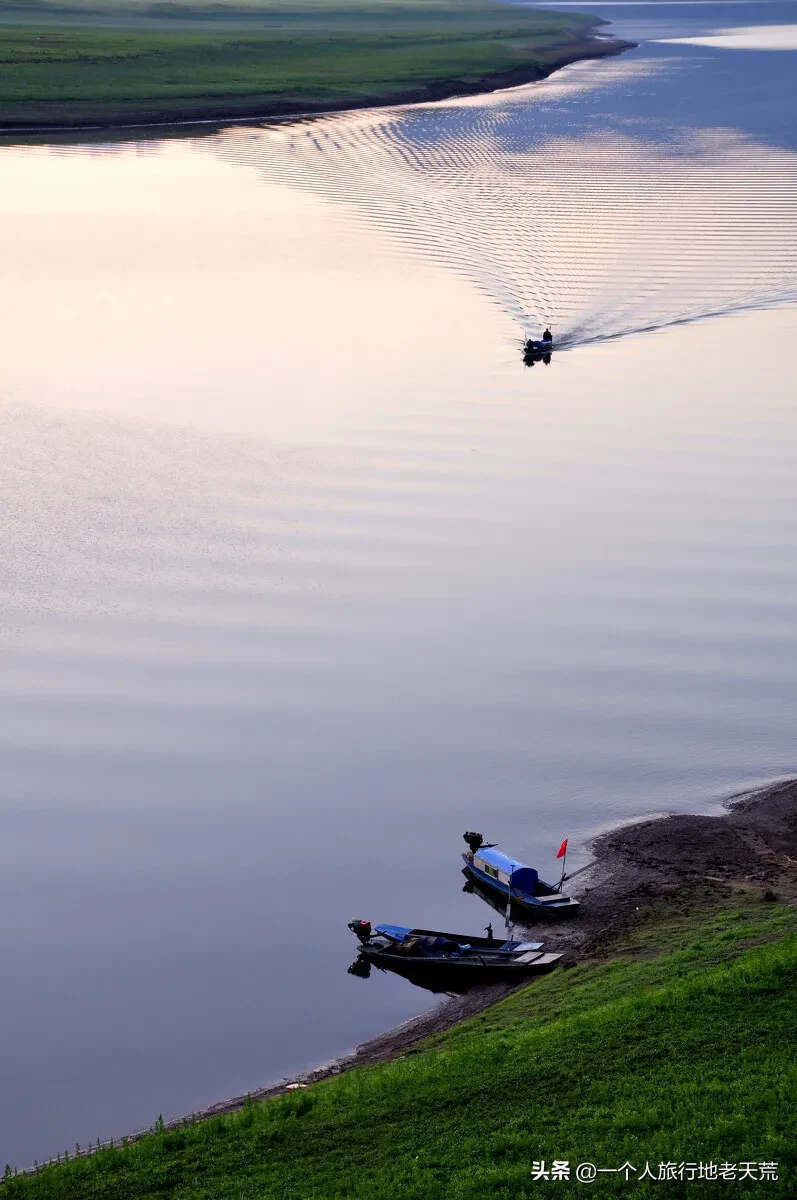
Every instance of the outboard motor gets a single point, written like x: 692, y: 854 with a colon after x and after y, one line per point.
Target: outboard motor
x: 475, y: 841
x: 361, y: 930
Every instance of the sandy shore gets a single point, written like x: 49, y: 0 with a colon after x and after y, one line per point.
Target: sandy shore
x: 673, y: 860
x: 149, y: 116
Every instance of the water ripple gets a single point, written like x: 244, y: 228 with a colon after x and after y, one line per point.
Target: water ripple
x: 599, y: 234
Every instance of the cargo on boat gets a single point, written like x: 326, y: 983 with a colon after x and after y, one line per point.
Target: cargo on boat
x: 448, y: 961
x: 519, y: 885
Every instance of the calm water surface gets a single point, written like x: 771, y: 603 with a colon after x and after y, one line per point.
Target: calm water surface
x: 304, y: 573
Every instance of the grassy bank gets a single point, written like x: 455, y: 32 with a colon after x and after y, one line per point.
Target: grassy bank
x: 678, y: 1048
x: 81, y: 63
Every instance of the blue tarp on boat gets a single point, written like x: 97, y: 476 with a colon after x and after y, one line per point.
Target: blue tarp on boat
x: 398, y: 933
x: 524, y: 878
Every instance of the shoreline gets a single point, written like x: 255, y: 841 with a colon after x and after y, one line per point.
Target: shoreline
x: 593, y: 46
x: 679, y: 860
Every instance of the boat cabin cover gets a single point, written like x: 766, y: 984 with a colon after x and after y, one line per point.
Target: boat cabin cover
x: 504, y: 869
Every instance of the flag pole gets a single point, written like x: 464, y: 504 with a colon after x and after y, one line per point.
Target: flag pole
x: 562, y: 853
x: 509, y: 901
x: 564, y: 868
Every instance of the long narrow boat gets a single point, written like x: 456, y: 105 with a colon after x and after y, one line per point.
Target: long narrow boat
x: 396, y: 934
x: 517, y: 883
x: 449, y: 962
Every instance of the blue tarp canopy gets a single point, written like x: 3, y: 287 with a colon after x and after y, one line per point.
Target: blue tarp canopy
x: 398, y: 933
x: 523, y: 877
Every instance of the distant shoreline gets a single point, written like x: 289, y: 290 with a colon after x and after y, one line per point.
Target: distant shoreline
x: 593, y: 46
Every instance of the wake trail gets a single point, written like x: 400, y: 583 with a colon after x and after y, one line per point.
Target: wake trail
x: 599, y: 235
x: 577, y: 336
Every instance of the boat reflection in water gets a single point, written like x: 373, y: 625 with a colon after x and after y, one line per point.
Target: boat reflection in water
x: 362, y: 968
x: 447, y: 962
x: 536, y: 350
x: 474, y: 888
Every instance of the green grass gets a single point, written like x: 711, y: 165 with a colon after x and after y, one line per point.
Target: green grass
x: 661, y: 949
x: 66, y: 63
x: 679, y: 1049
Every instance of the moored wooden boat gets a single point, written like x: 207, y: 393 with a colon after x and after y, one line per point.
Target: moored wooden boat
x: 515, y: 882
x: 398, y: 934
x: 450, y: 962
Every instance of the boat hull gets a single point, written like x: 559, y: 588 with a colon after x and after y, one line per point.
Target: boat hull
x: 543, y: 908
x: 457, y: 974
x: 400, y: 933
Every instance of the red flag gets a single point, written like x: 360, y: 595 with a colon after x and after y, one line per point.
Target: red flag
x: 562, y: 851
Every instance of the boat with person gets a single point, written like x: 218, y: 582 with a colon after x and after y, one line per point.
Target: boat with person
x: 449, y: 961
x: 535, y: 349
x: 518, y: 884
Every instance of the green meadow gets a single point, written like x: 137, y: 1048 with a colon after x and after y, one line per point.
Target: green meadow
x: 110, y: 63
x: 677, y: 1049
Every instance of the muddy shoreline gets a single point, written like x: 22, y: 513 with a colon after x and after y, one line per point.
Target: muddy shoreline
x: 752, y: 846
x: 150, y: 117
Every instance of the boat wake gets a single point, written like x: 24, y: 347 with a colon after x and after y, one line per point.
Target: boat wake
x: 622, y: 229
x: 583, y: 335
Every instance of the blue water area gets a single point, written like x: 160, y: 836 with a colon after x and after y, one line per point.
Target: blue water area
x: 752, y: 90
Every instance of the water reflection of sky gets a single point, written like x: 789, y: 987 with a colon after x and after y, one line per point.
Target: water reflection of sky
x: 754, y: 37
x: 304, y: 574
x: 579, y: 201
x: 707, y: 85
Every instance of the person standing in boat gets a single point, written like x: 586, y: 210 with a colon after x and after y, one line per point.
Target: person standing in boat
x: 547, y: 336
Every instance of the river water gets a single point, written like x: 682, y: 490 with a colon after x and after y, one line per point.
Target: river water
x: 304, y: 573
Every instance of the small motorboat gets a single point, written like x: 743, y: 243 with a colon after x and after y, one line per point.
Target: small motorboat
x: 536, y: 347
x: 449, y: 961
x: 520, y: 886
